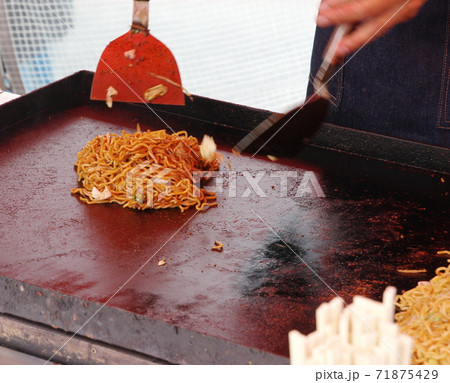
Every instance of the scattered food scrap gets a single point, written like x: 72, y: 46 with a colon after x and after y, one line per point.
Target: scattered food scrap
x: 110, y: 94
x: 218, y: 246
x: 154, y: 92
x: 100, y: 196
x: 185, y: 91
x: 162, y: 262
x: 417, y: 271
x: 208, y: 149
x: 131, y: 54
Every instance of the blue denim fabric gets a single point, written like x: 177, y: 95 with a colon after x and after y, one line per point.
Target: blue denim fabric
x: 399, y: 84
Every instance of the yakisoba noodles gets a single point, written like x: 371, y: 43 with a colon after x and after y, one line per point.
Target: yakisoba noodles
x: 425, y: 316
x: 144, y: 170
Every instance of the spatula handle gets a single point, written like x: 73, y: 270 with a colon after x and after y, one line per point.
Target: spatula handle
x: 140, y: 14
x: 326, y: 70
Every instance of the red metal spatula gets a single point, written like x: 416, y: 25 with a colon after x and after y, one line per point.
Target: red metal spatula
x: 282, y: 135
x: 137, y: 67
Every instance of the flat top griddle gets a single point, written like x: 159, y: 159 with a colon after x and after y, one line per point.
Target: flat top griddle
x: 284, y: 253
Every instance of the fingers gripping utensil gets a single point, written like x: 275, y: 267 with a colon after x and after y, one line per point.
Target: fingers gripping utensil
x: 282, y: 135
x: 137, y: 67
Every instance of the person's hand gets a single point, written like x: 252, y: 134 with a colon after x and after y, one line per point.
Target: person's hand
x: 373, y: 18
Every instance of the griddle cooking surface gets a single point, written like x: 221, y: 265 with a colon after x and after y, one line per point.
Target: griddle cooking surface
x: 280, y: 252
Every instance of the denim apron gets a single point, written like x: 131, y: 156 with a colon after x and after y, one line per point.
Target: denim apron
x: 399, y: 84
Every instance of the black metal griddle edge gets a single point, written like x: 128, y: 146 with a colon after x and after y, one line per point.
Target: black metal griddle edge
x: 74, y: 89
x: 163, y: 341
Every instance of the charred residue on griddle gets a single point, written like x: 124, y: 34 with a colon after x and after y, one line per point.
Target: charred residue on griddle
x: 376, y: 236
x: 276, y: 270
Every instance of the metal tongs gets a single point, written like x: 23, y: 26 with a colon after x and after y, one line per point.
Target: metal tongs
x: 281, y: 135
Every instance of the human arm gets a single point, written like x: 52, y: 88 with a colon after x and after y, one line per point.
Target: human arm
x: 372, y: 18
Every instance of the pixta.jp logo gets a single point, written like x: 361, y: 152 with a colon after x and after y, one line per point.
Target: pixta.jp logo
x: 262, y: 183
